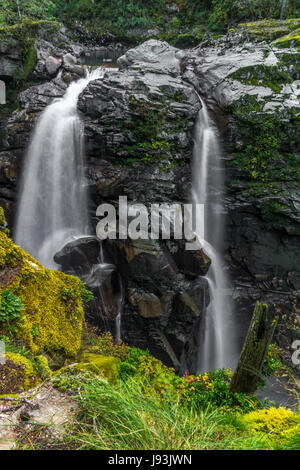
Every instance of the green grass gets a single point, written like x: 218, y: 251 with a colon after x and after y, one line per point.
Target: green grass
x: 126, y: 417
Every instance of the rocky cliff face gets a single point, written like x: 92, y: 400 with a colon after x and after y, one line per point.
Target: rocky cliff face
x: 138, y: 122
x: 252, y: 86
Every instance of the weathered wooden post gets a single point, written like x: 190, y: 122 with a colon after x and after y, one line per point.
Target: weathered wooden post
x: 258, y: 338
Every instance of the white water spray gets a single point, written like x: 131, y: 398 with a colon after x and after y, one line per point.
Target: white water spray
x: 217, y: 338
x: 53, y: 196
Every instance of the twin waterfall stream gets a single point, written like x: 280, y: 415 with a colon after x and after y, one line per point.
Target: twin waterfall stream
x: 217, y: 344
x: 53, y: 197
x: 53, y: 207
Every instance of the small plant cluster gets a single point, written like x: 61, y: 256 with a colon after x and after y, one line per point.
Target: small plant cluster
x: 272, y: 362
x: 279, y: 423
x: 86, y: 294
x: 10, y: 308
x: 200, y: 391
x: 69, y: 297
x: 19, y: 350
x: 105, y: 344
x: 269, y: 141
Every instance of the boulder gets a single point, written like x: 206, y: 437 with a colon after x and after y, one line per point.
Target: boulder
x: 48, y: 305
x: 52, y: 65
x: 17, y: 374
x: 105, y: 366
x: 154, y: 56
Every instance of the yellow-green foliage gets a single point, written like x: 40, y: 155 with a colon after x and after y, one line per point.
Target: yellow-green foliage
x: 105, y: 366
x: 17, y: 374
x: 279, y: 423
x: 271, y: 29
x: 3, y: 222
x: 2, y: 217
x: 290, y: 40
x: 43, y: 367
x: 50, y: 322
x: 103, y: 344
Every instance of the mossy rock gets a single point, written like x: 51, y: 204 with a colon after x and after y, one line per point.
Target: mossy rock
x: 3, y: 224
x: 106, y: 366
x: 17, y: 374
x: 51, y: 320
x: 43, y: 367
x: 290, y: 40
x: 270, y: 30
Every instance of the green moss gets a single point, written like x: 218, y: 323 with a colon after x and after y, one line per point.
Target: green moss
x: 49, y: 323
x: 42, y: 366
x: 2, y: 217
x: 268, y: 151
x: 3, y: 224
x: 30, y: 59
x: 261, y: 75
x: 105, y: 366
x: 17, y: 374
x: 9, y: 395
x: 28, y: 28
x: 148, y: 127
x: 270, y: 29
x: 21, y: 38
x: 290, y: 40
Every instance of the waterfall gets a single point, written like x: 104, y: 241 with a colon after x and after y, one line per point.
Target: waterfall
x: 217, y: 337
x: 53, y: 197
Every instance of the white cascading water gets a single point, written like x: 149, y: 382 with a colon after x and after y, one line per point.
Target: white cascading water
x: 53, y: 197
x: 217, y: 337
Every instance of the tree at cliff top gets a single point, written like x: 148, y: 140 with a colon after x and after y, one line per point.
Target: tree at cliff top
x: 11, y: 11
x: 117, y: 15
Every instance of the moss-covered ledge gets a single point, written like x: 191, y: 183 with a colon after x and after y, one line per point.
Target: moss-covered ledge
x: 44, y: 309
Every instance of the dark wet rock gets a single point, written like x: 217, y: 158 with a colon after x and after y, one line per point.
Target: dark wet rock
x: 10, y: 59
x: 242, y: 85
x: 81, y: 253
x: 82, y: 257
x: 190, y: 263
x: 138, y: 124
x: 149, y: 305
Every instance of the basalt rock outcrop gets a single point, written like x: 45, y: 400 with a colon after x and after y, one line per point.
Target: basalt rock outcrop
x: 252, y: 85
x: 38, y: 60
x: 138, y: 123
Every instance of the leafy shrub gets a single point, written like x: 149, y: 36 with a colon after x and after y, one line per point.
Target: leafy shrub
x: 106, y: 345
x: 126, y: 370
x: 135, y: 354
x: 11, y: 307
x: 272, y: 361
x: 71, y: 380
x: 121, y: 15
x: 34, y: 9
x: 200, y: 391
x: 225, y: 13
x: 279, y: 423
x: 86, y: 294
x: 213, y: 388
